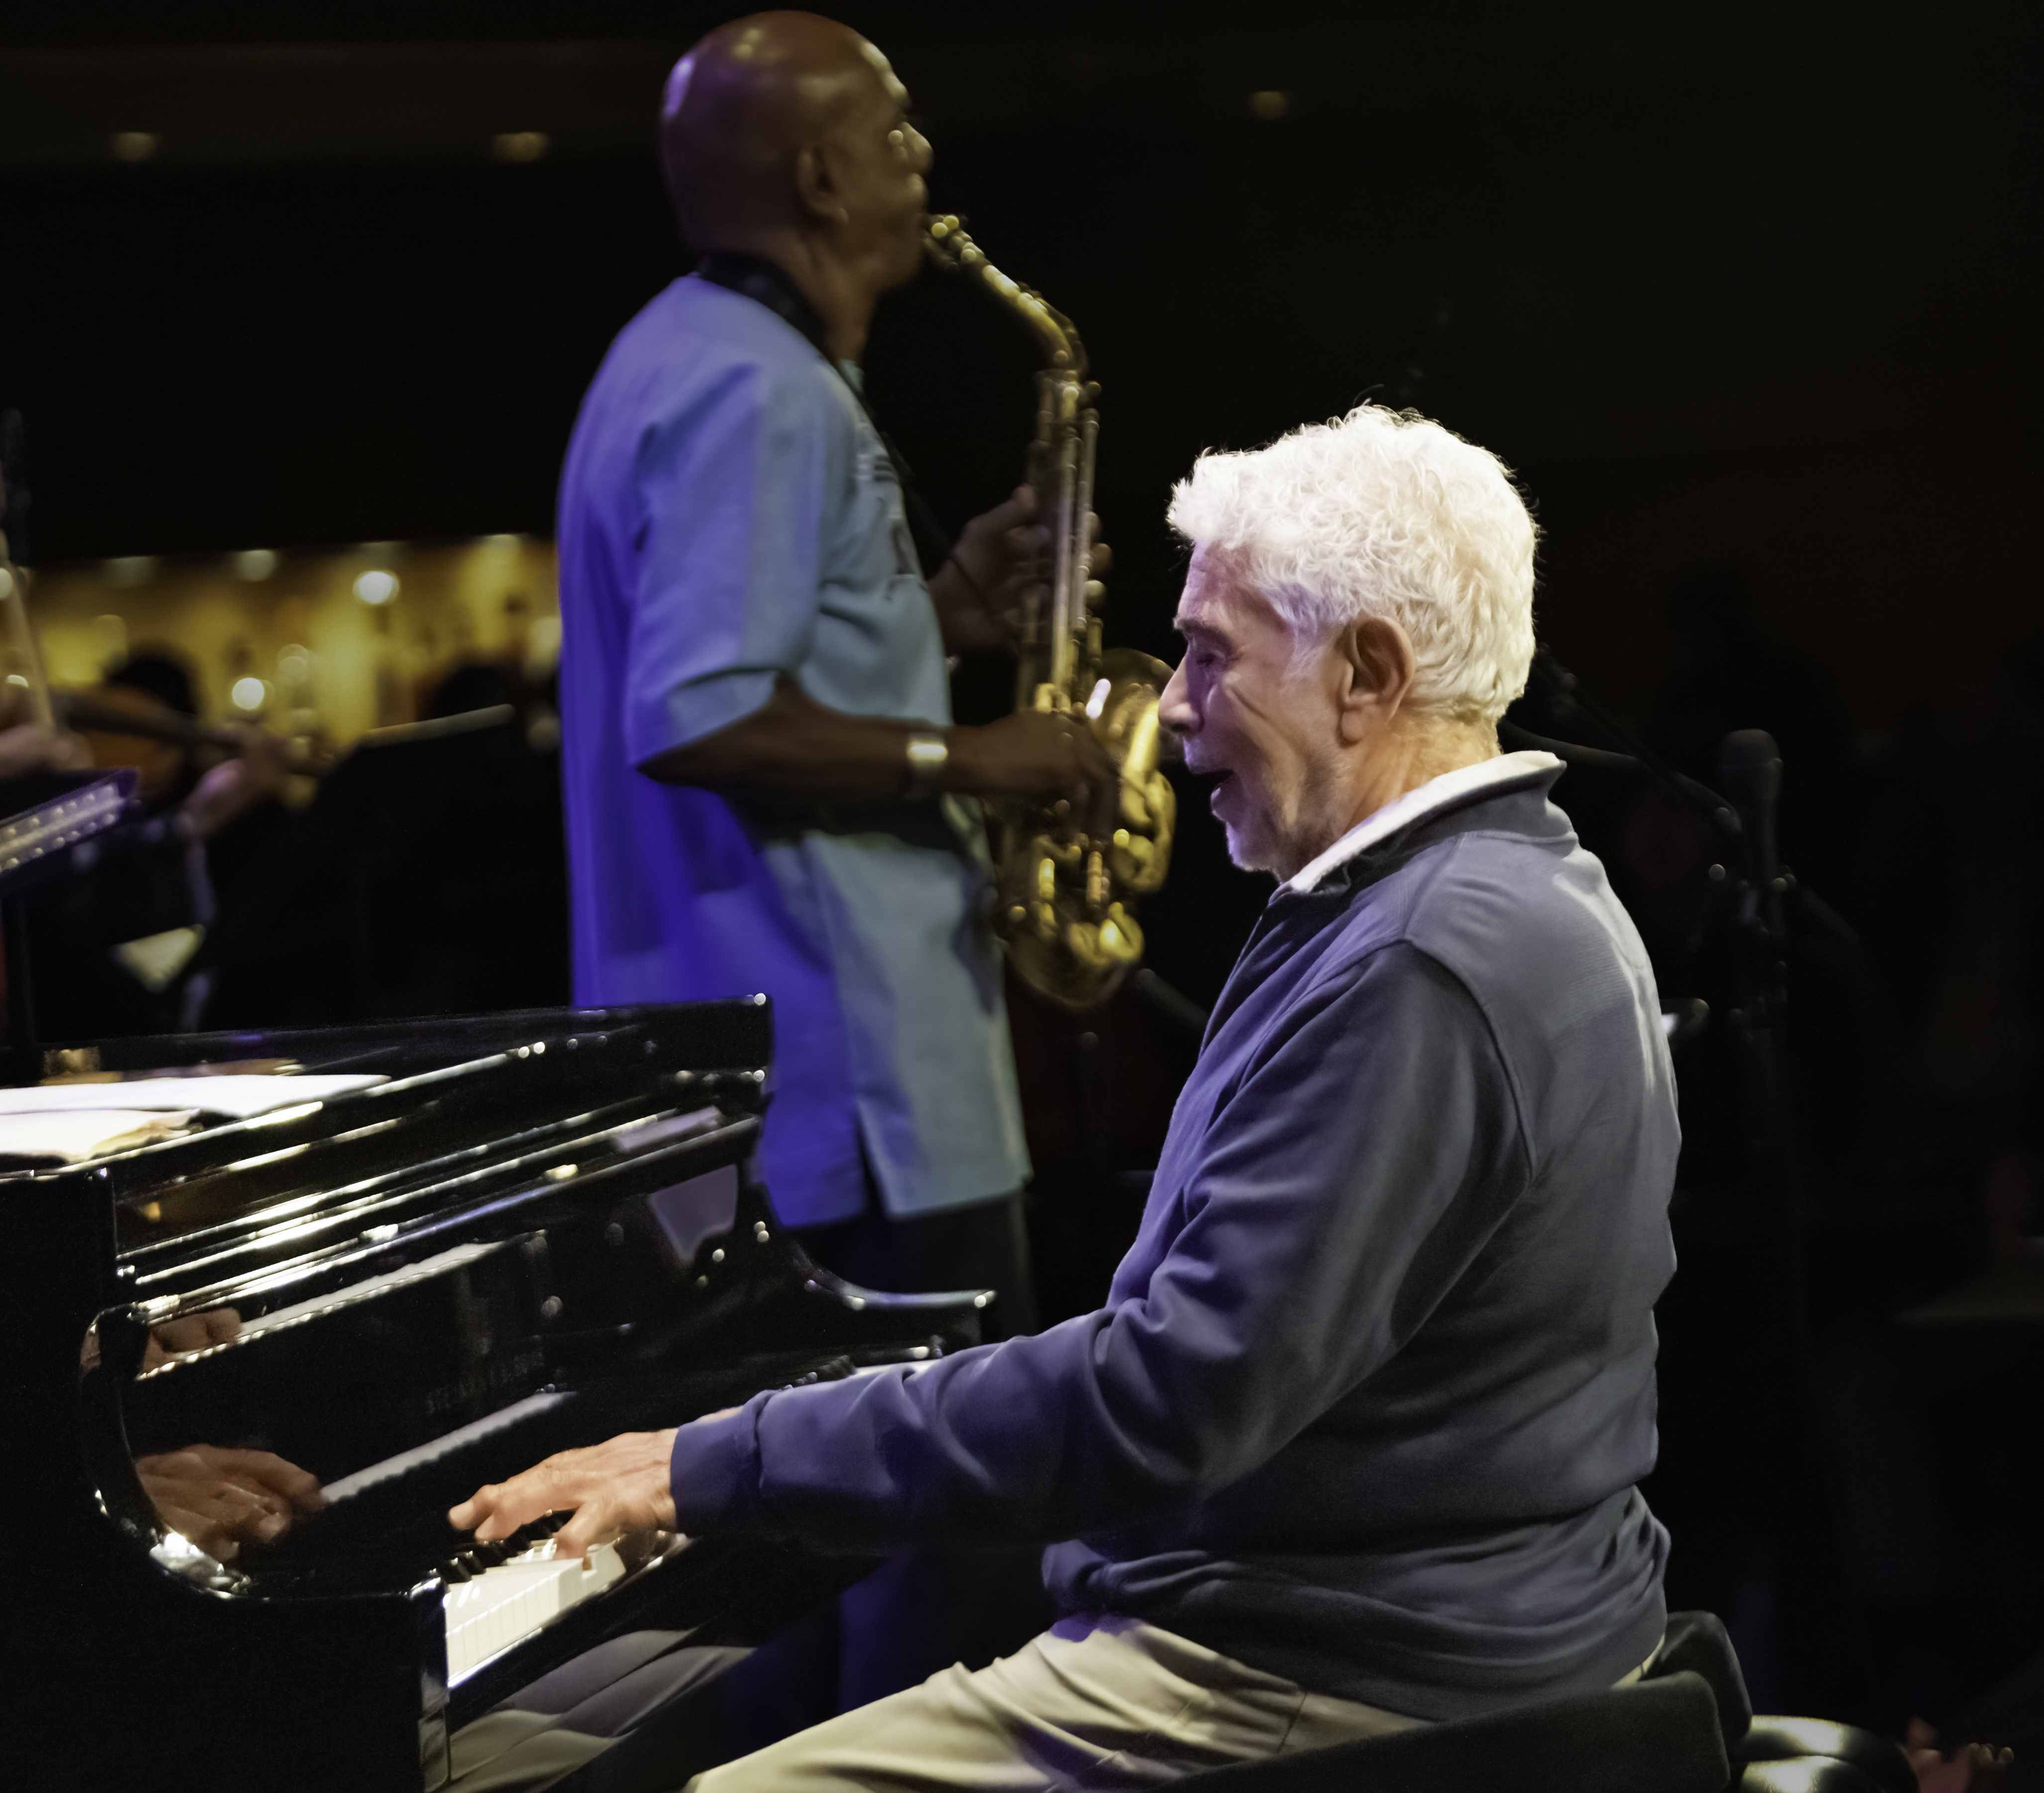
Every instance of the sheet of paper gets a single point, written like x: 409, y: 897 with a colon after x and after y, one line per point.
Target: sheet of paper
x: 69, y: 1138
x: 237, y: 1098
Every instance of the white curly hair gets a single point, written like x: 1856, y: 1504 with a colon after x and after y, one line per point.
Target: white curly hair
x: 1382, y: 514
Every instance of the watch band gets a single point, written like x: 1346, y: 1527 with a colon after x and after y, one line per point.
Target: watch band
x: 928, y: 754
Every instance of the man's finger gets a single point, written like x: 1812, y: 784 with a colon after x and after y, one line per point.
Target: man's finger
x: 477, y: 1508
x: 198, y: 1529
x: 300, y: 1486
x: 1011, y: 513
x: 596, y: 1521
x: 227, y: 1501
x: 501, y: 1522
x: 188, y: 1332
x: 499, y: 1509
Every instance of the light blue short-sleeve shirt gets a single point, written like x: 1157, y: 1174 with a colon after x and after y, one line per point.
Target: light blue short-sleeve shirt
x: 728, y: 518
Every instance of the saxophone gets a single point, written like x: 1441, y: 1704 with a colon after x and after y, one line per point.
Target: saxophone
x: 1065, y: 902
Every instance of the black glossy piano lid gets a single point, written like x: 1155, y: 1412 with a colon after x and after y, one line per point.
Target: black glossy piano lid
x: 541, y: 1231
x: 465, y: 1096
x: 733, y: 1035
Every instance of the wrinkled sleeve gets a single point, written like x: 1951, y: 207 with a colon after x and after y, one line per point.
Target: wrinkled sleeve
x: 1343, y: 1186
x: 732, y: 494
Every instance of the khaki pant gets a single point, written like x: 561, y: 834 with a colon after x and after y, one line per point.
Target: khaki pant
x: 1091, y: 1703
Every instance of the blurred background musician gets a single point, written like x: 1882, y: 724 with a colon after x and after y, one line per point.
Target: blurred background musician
x: 425, y: 877
x: 762, y: 791
x: 112, y: 944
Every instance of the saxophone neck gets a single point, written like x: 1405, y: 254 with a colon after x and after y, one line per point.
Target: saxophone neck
x: 945, y: 245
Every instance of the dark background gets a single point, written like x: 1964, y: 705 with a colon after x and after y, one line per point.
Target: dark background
x: 1747, y: 298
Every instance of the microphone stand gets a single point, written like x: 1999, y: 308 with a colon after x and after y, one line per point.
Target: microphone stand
x: 1742, y: 814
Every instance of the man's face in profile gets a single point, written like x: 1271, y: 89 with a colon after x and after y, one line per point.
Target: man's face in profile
x: 881, y: 160
x: 1244, y: 707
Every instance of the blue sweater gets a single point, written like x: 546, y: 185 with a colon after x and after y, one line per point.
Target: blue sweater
x: 1370, y: 1393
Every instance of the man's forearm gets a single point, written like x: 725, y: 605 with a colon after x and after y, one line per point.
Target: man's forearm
x: 793, y: 746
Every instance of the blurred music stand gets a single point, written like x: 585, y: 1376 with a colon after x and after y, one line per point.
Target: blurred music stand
x: 47, y: 815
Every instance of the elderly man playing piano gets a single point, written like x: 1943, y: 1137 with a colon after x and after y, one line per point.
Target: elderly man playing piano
x: 1354, y: 1444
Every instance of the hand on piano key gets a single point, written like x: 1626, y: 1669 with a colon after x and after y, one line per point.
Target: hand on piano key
x: 611, y: 1488
x: 499, y: 1594
x: 220, y: 1499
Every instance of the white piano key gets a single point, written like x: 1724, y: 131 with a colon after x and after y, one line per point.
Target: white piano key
x: 505, y: 1604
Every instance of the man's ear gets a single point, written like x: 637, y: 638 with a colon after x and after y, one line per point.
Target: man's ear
x: 1377, y: 667
x: 815, y: 185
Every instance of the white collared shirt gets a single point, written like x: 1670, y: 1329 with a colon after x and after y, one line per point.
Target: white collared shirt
x: 1422, y: 799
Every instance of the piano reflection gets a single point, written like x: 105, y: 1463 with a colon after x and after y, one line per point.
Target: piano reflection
x: 251, y: 1365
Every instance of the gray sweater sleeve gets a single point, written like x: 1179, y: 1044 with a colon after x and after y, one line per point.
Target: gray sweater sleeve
x: 1343, y: 1184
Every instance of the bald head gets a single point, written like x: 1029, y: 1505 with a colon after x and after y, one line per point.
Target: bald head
x: 787, y: 136
x: 743, y: 107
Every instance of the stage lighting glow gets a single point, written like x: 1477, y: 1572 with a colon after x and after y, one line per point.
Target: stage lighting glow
x: 255, y: 564
x: 249, y: 693
x: 519, y: 146
x: 1269, y: 103
x: 376, y: 586
x: 131, y: 569
x: 133, y: 146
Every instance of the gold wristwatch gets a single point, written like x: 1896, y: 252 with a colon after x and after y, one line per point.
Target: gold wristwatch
x: 928, y: 753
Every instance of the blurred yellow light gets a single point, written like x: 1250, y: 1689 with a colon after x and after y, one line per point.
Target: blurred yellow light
x: 376, y: 586
x: 249, y: 693
x: 518, y: 146
x: 131, y: 569
x: 1269, y: 103
x: 255, y: 564
x: 133, y: 146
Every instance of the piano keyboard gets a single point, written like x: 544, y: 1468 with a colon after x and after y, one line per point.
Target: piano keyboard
x: 494, y: 1600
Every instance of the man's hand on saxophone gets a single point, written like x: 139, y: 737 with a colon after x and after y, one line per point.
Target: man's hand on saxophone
x: 978, y: 592
x: 793, y: 746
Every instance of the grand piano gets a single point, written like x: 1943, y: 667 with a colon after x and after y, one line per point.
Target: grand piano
x: 537, y: 1229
